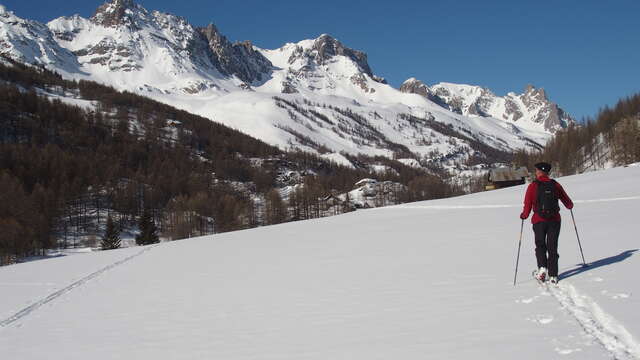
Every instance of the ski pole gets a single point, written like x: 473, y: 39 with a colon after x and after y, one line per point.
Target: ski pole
x: 584, y: 263
x: 518, y: 258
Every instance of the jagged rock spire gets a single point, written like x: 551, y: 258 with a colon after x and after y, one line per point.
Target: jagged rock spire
x: 114, y: 13
x: 532, y: 92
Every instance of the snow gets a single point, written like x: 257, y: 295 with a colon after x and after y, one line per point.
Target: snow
x: 338, y: 159
x: 32, y: 42
x: 430, y: 279
x: 410, y: 162
x: 20, y: 284
x: 69, y: 99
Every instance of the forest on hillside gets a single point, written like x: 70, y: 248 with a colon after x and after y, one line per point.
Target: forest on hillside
x: 65, y: 170
x: 611, y: 139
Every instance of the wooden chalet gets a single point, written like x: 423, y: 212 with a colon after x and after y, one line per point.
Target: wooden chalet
x: 504, y: 177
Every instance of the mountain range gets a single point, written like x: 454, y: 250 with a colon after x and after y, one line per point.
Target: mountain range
x: 315, y: 95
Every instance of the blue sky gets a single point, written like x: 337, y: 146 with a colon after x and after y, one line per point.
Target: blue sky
x: 584, y: 53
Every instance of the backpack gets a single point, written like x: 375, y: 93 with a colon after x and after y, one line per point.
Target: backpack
x: 547, y: 204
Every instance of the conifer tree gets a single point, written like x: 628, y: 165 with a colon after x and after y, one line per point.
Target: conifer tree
x: 111, y: 239
x: 148, y: 231
x: 275, y: 209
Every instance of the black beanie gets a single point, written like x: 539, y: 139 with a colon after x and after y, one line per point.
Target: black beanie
x: 546, y: 167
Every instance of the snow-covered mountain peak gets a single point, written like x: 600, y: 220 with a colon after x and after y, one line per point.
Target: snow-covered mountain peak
x: 415, y: 86
x: 322, y: 65
x: 322, y: 51
x: 326, y: 47
x: 31, y: 42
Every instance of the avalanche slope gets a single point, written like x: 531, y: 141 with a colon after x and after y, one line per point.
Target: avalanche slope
x: 423, y: 280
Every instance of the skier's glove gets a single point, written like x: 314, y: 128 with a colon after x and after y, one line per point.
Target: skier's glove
x: 523, y: 216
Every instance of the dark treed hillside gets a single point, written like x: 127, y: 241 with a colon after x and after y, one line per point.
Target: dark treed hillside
x: 64, y: 170
x: 613, y: 138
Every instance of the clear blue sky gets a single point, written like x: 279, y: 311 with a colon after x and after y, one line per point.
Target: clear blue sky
x: 584, y: 53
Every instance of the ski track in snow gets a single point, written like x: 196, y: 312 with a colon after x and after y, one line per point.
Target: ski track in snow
x: 31, y: 308
x: 595, y: 322
x: 447, y: 207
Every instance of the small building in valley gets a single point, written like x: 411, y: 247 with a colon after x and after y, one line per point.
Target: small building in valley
x: 505, y: 176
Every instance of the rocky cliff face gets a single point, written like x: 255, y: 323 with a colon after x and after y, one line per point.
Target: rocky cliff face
x: 547, y: 113
x: 239, y: 59
x: 119, y: 13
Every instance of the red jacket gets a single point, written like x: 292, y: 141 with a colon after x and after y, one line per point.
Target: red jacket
x: 531, y: 198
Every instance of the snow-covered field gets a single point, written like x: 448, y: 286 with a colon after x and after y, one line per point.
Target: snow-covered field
x: 425, y: 280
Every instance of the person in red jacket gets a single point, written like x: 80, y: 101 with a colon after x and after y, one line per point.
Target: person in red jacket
x: 540, y: 197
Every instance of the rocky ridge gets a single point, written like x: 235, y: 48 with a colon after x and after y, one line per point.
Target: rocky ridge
x: 533, y: 104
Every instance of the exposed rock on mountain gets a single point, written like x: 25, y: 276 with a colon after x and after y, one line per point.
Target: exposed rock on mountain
x: 117, y: 13
x: 239, y: 59
x: 415, y: 86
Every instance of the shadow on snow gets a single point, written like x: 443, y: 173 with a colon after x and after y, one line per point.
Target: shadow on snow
x: 596, y: 264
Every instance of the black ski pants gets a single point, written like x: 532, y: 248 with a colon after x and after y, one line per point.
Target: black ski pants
x: 547, y: 233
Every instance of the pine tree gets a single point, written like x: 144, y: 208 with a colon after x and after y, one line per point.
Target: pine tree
x: 148, y: 231
x: 111, y: 239
x: 275, y: 209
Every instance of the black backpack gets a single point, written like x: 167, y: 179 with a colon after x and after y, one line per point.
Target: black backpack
x: 547, y: 204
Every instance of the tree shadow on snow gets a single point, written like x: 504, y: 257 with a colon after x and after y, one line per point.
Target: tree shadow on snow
x: 596, y: 264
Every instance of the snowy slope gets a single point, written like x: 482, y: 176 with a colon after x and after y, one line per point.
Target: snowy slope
x: 33, y: 43
x: 423, y: 280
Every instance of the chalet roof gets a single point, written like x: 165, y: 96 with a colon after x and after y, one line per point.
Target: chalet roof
x: 508, y: 174
x: 366, y: 181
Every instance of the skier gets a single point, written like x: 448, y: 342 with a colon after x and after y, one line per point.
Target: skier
x: 542, y: 196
